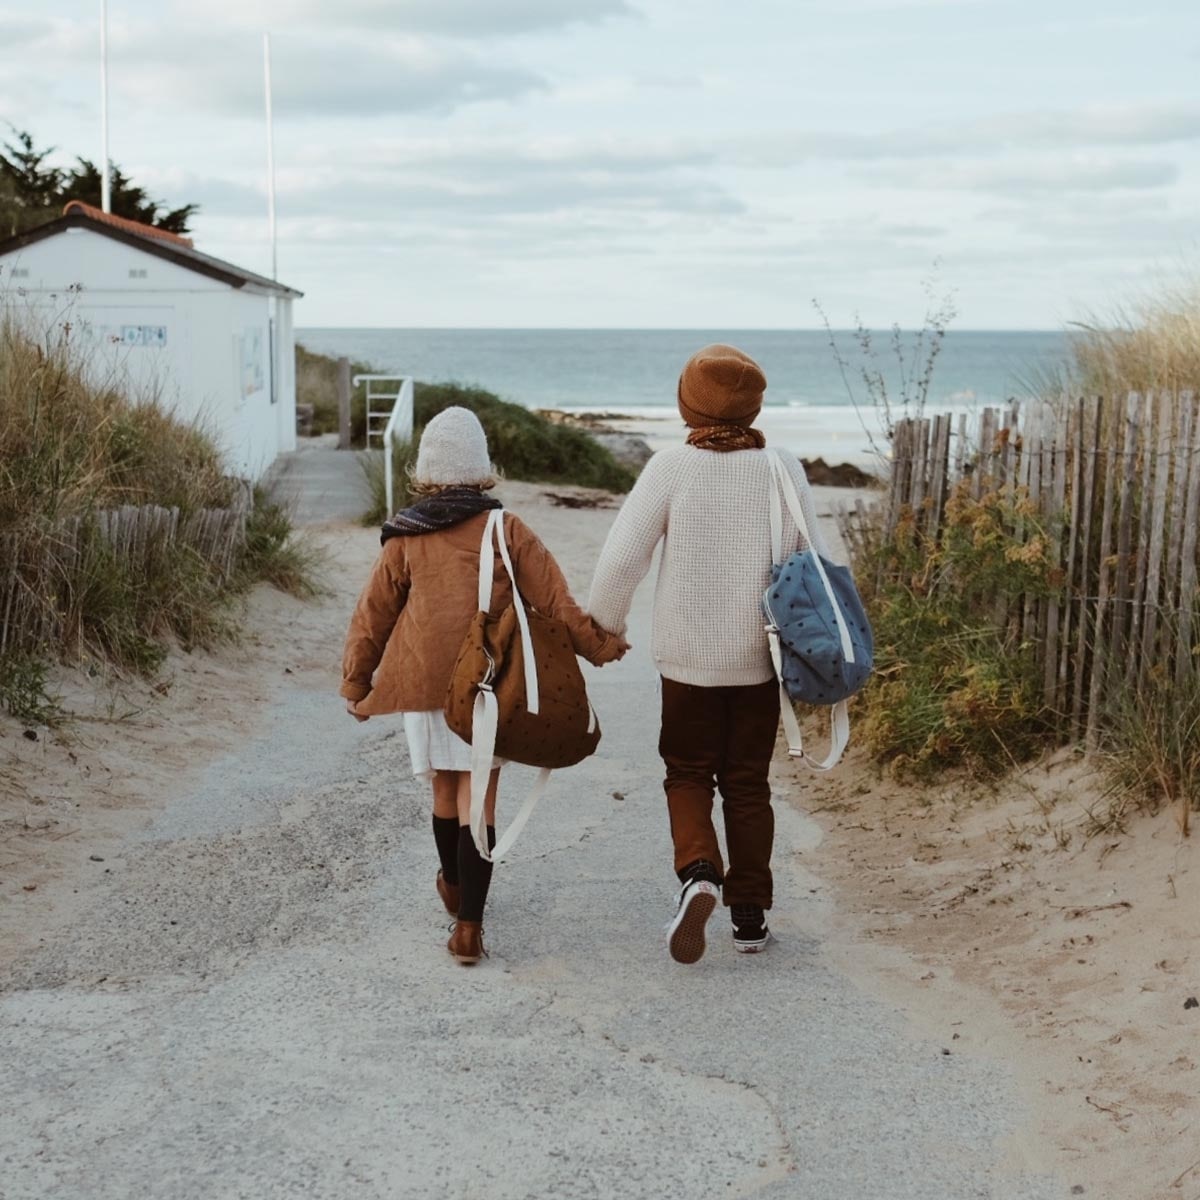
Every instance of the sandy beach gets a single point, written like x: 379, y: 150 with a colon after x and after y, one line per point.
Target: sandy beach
x: 832, y: 432
x: 1006, y: 935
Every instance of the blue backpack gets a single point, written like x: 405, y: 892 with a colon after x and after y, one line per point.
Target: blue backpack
x: 817, y: 629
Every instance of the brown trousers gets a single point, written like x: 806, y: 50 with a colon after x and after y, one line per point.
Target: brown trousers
x: 722, y: 738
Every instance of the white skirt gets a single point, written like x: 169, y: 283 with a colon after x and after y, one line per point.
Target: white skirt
x: 434, y: 746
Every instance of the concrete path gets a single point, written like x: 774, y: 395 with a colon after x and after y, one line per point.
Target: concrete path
x: 320, y: 482
x: 259, y: 1004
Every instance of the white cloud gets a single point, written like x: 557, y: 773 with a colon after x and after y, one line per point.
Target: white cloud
x: 321, y: 78
x: 1036, y: 177
x: 1146, y: 125
x: 466, y: 19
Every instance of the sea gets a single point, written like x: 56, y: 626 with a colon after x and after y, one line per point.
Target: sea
x: 815, y: 404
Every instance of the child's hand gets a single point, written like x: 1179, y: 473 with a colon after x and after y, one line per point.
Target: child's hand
x: 352, y: 709
x: 614, y: 650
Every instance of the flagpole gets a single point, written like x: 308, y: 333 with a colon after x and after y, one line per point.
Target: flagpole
x: 270, y: 154
x: 105, y: 187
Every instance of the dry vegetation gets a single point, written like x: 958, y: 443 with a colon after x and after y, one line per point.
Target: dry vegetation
x: 959, y: 680
x: 73, y: 448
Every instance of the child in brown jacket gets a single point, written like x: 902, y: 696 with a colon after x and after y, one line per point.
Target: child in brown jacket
x: 410, y: 623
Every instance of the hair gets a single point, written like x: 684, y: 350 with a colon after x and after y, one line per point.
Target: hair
x: 422, y: 487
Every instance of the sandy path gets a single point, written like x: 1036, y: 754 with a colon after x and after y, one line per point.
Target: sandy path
x: 255, y: 999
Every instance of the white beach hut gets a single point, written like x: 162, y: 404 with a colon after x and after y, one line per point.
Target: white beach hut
x: 213, y: 341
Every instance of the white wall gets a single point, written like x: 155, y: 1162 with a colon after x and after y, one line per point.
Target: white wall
x: 203, y: 347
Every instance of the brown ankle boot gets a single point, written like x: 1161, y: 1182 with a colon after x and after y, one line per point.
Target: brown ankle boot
x: 449, y: 893
x: 466, y: 942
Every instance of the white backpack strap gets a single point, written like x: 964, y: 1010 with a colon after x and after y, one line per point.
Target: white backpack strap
x: 839, y: 715
x: 788, y: 487
x: 777, y: 555
x: 485, y: 719
x: 839, y: 718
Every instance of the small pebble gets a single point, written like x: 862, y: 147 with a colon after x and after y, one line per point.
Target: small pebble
x: 1077, y: 1190
x: 30, y: 735
x: 618, y: 795
x: 95, y: 858
x: 1191, y: 1002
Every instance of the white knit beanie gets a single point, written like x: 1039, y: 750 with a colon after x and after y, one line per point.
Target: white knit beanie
x: 453, y: 450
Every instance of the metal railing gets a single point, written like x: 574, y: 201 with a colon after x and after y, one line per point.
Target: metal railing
x: 397, y: 419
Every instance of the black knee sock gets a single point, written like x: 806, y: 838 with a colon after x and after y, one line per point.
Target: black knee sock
x: 474, y: 876
x: 445, y: 834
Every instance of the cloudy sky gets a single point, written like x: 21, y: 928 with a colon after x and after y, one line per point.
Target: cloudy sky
x: 651, y: 163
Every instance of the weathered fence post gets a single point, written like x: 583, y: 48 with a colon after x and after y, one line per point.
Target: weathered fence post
x: 343, y: 398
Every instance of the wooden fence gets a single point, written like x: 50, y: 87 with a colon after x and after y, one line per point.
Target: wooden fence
x: 1114, y: 486
x: 37, y: 567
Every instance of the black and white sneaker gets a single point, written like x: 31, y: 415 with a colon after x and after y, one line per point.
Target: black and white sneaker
x: 750, y: 932
x: 685, y: 933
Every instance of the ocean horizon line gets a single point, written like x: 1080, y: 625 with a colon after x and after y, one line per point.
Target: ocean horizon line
x: 660, y: 329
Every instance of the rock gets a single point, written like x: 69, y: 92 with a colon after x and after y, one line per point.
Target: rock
x: 560, y: 500
x: 819, y: 472
x: 30, y: 735
x: 627, y: 448
x: 1191, y: 1002
x: 95, y: 858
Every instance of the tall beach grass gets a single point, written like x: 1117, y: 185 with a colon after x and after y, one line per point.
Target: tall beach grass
x: 73, y: 447
x: 957, y: 685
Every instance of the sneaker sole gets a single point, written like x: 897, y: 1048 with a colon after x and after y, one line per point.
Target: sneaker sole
x: 755, y: 947
x: 686, y: 937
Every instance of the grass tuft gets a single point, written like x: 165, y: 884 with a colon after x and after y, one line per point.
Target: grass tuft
x: 25, y: 692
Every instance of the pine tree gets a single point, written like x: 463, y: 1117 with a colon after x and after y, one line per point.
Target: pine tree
x: 33, y: 192
x: 30, y: 191
x: 128, y: 200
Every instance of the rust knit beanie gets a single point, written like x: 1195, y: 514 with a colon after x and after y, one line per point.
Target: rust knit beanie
x: 721, y: 386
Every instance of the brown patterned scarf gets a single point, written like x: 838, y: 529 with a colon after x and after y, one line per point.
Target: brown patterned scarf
x: 727, y: 437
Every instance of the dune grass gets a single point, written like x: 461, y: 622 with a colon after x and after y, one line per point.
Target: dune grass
x: 955, y: 686
x: 71, y: 447
x: 1148, y: 345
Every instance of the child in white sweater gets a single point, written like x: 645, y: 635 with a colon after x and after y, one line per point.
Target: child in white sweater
x: 708, y: 502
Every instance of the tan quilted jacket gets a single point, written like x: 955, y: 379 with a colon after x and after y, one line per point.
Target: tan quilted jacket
x: 423, y: 592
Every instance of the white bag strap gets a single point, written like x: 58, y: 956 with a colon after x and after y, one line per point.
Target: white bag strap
x: 485, y: 717
x: 777, y: 554
x: 494, y: 533
x: 839, y: 715
x: 788, y: 488
x: 839, y: 719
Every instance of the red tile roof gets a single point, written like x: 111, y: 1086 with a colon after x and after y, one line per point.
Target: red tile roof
x: 148, y: 231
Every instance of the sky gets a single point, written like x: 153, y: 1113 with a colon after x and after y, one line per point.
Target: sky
x: 651, y: 163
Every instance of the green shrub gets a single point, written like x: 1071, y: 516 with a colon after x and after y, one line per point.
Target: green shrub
x: 524, y: 445
x: 24, y: 691
x: 955, y: 685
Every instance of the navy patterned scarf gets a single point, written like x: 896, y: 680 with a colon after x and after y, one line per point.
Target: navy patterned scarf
x: 441, y: 510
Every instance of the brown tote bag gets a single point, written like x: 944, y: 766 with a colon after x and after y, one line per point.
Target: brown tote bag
x: 516, y: 692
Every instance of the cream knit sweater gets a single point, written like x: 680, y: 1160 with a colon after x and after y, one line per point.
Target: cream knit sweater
x: 711, y: 511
